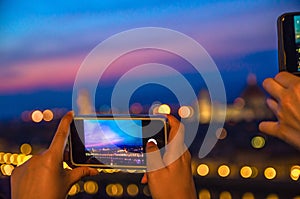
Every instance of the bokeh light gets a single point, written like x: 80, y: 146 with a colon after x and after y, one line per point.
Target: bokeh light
x: 254, y: 172
x: 295, y: 172
x: 186, y: 112
x: 1, y: 157
x: 6, y: 158
x: 114, y: 190
x: 225, y: 195
x: 2, y: 169
x: 258, y: 142
x: 204, y: 194
x: 248, y: 195
x: 26, y: 149
x: 90, y: 187
x: 272, y: 196
x: 246, y: 172
x: 223, y: 171
x: 37, y: 116
x: 48, y: 115
x: 202, y: 170
x: 164, y: 109
x: 154, y: 107
x: 14, y: 159
x: 221, y: 133
x: 7, y: 169
x: 74, y: 190
x: 270, y: 173
x: 136, y: 108
x: 131, y: 170
x: 132, y: 190
x: 20, y: 159
x: 146, y: 191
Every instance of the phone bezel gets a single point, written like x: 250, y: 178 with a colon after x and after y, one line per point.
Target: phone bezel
x: 287, y: 56
x: 74, y: 150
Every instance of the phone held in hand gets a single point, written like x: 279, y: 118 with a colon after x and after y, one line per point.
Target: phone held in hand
x: 115, y: 141
x: 288, y: 29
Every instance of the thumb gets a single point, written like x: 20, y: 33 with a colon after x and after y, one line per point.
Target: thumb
x: 153, y: 157
x: 80, y: 172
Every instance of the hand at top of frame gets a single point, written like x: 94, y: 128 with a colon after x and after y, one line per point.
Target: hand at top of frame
x: 285, y: 104
x: 167, y: 178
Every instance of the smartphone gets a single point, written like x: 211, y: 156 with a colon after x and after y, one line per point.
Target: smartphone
x: 115, y: 141
x: 288, y: 28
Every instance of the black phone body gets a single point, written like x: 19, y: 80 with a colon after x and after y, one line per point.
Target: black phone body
x: 115, y: 141
x: 288, y: 29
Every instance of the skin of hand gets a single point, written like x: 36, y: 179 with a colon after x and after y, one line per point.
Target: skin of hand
x: 43, y: 175
x: 285, y: 102
x: 167, y: 178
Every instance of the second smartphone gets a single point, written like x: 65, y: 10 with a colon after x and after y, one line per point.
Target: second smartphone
x: 288, y: 29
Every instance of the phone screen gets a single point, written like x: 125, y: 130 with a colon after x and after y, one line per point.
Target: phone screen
x: 114, y: 142
x: 108, y: 143
x: 297, y: 39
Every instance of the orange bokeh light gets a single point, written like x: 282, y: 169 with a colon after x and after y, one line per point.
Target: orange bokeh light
x: 48, y: 115
x: 37, y: 116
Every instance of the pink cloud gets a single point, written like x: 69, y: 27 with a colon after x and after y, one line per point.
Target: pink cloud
x: 50, y: 73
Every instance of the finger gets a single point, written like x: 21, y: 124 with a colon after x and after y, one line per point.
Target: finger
x: 144, y: 179
x: 153, y: 157
x: 273, y: 105
x: 61, y: 136
x: 273, y: 88
x: 286, y: 79
x: 176, y: 146
x: 80, y: 172
x: 176, y: 131
x: 270, y: 128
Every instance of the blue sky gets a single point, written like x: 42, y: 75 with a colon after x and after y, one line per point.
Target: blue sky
x: 43, y: 43
x: 108, y: 133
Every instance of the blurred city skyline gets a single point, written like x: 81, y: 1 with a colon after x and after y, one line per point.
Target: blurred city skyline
x: 44, y: 44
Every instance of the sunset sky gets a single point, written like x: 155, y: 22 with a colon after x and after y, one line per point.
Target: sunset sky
x: 43, y: 43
